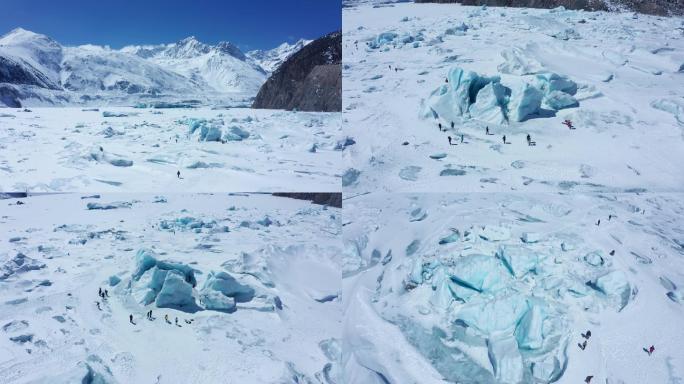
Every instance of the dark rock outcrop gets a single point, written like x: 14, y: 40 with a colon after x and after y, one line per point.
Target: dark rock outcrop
x: 323, y: 198
x: 13, y: 71
x: 653, y: 7
x: 310, y: 80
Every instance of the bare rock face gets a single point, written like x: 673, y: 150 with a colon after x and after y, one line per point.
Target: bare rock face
x: 653, y: 7
x: 310, y: 80
x: 333, y: 199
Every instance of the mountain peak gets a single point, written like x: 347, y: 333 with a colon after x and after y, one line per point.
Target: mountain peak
x: 230, y: 49
x: 20, y: 34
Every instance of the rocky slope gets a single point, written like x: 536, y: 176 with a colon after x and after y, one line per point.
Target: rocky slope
x: 653, y: 7
x: 321, y: 198
x: 310, y: 80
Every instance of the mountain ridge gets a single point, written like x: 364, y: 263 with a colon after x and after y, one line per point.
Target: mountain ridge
x: 37, y: 70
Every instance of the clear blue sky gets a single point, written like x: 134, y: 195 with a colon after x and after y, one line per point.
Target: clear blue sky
x: 251, y: 24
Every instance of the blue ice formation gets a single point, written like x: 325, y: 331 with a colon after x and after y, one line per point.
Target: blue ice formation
x: 466, y: 94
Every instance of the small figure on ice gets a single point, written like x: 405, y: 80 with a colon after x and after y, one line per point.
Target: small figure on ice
x: 178, y: 174
x: 568, y: 123
x: 650, y: 350
x: 583, y: 345
x: 586, y: 335
x: 588, y: 379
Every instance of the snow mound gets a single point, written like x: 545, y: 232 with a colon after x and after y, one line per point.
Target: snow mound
x: 98, y: 154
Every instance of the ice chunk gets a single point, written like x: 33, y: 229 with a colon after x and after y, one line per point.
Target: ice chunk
x: 235, y: 133
x: 20, y: 263
x: 529, y: 331
x: 477, y: 273
x: 494, y: 233
x: 113, y: 114
x: 216, y: 301
x: 382, y: 39
x: 558, y: 100
x: 148, y: 286
x: 114, y: 205
x: 531, y: 237
x: 518, y: 260
x: 549, y: 82
x: 525, y: 101
x: 210, y: 132
x: 453, y: 99
x: 567, y: 34
x: 114, y: 280
x: 146, y: 259
x: 594, y: 259
x: 416, y: 275
x: 176, y: 293
x: 494, y: 314
x: 490, y: 104
x: 441, y: 292
x: 458, y: 30
x: 547, y: 370
x: 677, y: 296
x: 615, y: 284
x: 452, y: 238
x: 228, y: 286
x: 506, y: 360
x: 186, y: 223
x: 350, y: 177
x: 418, y: 214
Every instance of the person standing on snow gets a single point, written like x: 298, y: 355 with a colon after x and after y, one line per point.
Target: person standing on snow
x: 440, y: 126
x: 178, y: 174
x: 130, y: 319
x: 504, y: 139
x: 449, y: 137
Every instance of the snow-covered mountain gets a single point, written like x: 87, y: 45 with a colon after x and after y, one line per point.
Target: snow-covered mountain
x: 37, y: 70
x: 223, y: 67
x: 271, y: 59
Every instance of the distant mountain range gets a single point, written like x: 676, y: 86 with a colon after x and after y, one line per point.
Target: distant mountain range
x: 37, y: 70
